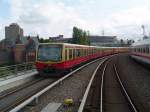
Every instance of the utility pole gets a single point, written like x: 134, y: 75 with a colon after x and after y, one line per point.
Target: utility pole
x: 144, y: 34
x: 143, y: 28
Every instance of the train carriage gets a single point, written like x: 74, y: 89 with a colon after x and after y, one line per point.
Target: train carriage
x: 140, y: 51
x: 54, y: 57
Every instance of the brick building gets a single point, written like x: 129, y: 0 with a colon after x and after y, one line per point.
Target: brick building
x: 22, y: 47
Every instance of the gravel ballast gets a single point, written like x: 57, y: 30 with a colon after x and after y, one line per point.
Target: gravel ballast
x: 73, y: 87
x: 137, y: 81
x: 135, y: 77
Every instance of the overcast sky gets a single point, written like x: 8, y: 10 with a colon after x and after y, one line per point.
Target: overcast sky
x: 122, y: 18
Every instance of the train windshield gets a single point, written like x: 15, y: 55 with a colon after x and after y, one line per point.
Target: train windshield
x: 49, y: 53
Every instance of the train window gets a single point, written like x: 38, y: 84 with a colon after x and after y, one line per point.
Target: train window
x: 50, y: 53
x: 139, y: 49
x: 66, y: 56
x: 86, y: 51
x: 70, y: 53
x: 74, y: 53
x: 144, y: 50
x: 147, y: 50
x: 90, y: 51
x: 81, y: 53
x: 78, y: 52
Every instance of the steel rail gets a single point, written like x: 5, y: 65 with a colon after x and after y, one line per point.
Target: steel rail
x: 124, y: 90
x: 102, y: 86
x: 35, y: 97
x: 88, y: 89
x: 81, y: 107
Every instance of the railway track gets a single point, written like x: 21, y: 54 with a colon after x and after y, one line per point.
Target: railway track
x: 16, y: 96
x: 21, y: 97
x: 19, y: 88
x: 105, y: 92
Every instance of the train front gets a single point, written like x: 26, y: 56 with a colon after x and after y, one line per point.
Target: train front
x: 48, y: 59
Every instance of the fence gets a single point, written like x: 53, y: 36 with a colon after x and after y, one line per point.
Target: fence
x: 16, y: 69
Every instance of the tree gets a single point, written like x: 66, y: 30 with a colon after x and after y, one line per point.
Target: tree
x: 41, y: 40
x: 122, y: 42
x: 130, y: 42
x: 80, y: 36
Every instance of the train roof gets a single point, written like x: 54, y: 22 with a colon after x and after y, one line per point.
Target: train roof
x: 142, y: 42
x: 77, y: 45
x: 68, y: 44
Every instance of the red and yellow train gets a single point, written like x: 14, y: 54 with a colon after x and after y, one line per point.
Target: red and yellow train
x: 60, y: 57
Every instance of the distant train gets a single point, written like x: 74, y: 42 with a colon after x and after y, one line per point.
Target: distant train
x: 140, y: 51
x: 60, y: 57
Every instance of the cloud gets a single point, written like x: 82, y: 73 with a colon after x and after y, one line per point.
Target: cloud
x: 46, y: 18
x: 54, y: 17
x: 135, y: 16
x: 128, y: 22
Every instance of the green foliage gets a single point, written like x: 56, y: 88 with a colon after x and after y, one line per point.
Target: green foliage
x: 80, y: 36
x: 126, y: 43
x: 41, y: 40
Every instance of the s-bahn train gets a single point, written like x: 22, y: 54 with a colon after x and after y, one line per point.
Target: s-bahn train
x: 60, y: 57
x: 140, y: 51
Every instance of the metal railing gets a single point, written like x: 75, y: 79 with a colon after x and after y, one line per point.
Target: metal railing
x: 16, y: 69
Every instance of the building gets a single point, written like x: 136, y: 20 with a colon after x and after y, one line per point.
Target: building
x: 57, y: 38
x: 26, y: 50
x: 25, y: 40
x: 13, y: 32
x: 19, y: 53
x: 23, y: 47
x: 109, y: 41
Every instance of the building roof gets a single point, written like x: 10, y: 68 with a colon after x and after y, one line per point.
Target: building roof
x: 102, y: 39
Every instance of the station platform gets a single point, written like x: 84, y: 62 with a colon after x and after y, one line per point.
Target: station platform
x: 15, y: 80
